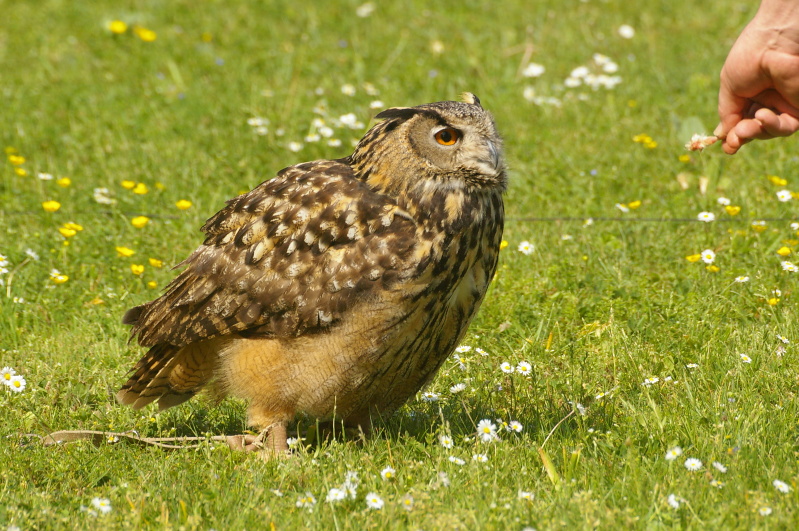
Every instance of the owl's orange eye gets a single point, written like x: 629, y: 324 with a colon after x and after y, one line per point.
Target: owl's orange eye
x: 448, y: 136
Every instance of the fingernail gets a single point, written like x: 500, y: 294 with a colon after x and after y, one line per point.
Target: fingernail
x: 717, y: 130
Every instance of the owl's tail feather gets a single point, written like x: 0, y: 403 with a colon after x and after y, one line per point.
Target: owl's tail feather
x: 169, y: 374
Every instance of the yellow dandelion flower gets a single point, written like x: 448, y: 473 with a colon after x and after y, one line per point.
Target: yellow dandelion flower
x: 642, y: 138
x: 140, y: 189
x: 773, y: 301
x: 152, y: 284
x: 503, y: 244
x: 758, y: 225
x: 22, y: 172
x: 51, y: 206
x: 136, y: 269
x: 144, y: 34
x: 160, y: 186
x: 128, y: 185
x: 684, y: 157
x: 117, y: 27
x: 183, y: 204
x: 67, y: 233
x: 140, y: 221
x: 732, y: 210
x: 64, y: 182
x: 10, y: 150
x: 693, y: 258
x: 713, y: 268
x: 632, y: 103
x: 779, y: 181
x: 651, y: 144
x: 155, y: 262
x: 57, y: 277
x: 16, y: 160
x: 95, y: 301
x: 74, y: 226
x: 124, y: 252
x: 632, y: 205
x: 792, y: 243
x: 783, y: 251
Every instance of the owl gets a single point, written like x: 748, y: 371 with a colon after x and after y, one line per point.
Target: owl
x: 338, y: 288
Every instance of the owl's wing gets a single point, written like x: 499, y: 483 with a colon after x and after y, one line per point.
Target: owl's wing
x: 287, y: 258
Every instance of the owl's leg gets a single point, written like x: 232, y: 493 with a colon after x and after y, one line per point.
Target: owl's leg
x: 273, y: 439
x: 348, y: 429
x: 273, y: 434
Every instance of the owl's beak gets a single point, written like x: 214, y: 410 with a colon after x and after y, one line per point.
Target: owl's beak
x: 495, y: 156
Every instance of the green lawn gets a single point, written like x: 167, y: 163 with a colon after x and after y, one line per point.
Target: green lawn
x: 634, y: 350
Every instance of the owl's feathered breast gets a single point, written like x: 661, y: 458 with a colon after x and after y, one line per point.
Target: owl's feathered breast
x: 287, y: 258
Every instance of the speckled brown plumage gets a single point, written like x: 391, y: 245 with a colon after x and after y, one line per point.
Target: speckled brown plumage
x: 340, y: 286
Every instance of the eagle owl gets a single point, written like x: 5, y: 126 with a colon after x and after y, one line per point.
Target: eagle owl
x: 339, y: 287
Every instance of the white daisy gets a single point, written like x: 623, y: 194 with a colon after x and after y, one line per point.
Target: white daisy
x: 446, y: 441
x: 463, y: 349
x: 524, y: 368
x: 307, y: 501
x: 526, y: 495
x: 506, y: 367
x: 718, y: 466
x: 533, y: 70
x: 480, y: 458
x: 335, y: 494
x: 516, y: 426
x: 781, y: 486
x: 294, y: 146
x: 486, y: 430
x: 387, y: 473
x: 789, y: 266
x: 102, y: 504
x: 692, y: 365
x: 376, y: 104
x: 784, y: 196
x: 373, y: 501
x: 429, y: 396
x: 481, y: 352
x: 673, y: 453
x: 526, y: 247
x: 693, y: 464
x: 742, y: 279
x: 364, y: 10
x: 457, y: 460
x: 723, y: 201
x: 707, y: 217
x: 17, y: 383
x: 457, y: 388
x: 626, y: 31
x: 348, y: 89
x: 708, y: 256
x: 783, y: 339
x: 257, y: 121
x: 6, y: 374
x: 674, y: 501
x: 764, y: 511
x: 745, y: 358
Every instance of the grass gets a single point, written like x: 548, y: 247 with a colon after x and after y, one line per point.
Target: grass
x: 599, y: 311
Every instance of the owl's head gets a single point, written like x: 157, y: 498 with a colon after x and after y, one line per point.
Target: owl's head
x: 452, y: 145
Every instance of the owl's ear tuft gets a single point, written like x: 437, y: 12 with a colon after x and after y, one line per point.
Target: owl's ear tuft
x: 402, y: 113
x: 468, y: 97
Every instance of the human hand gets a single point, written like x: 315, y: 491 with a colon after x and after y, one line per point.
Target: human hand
x: 759, y: 91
